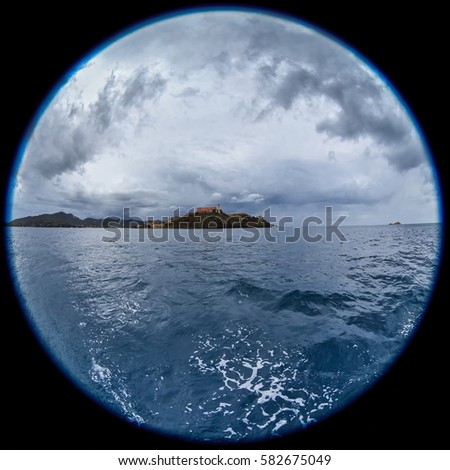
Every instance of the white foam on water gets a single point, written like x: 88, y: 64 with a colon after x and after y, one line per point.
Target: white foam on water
x: 259, y: 387
x: 100, y: 374
x: 280, y: 423
x: 103, y: 376
x: 219, y: 409
x: 232, y: 433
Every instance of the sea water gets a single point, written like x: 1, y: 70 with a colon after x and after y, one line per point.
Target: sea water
x: 224, y: 340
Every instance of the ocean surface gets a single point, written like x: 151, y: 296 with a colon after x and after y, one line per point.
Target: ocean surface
x: 225, y: 340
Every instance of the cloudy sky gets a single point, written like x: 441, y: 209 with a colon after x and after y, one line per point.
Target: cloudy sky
x: 242, y: 109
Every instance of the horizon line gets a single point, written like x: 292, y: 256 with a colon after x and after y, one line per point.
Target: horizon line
x: 187, y: 212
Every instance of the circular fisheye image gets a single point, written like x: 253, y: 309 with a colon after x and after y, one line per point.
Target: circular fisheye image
x: 224, y: 225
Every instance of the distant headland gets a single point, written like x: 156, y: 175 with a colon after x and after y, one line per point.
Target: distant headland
x: 201, y: 217
x: 395, y: 223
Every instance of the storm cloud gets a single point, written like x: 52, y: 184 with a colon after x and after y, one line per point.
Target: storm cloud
x: 69, y: 136
x: 142, y: 86
x: 406, y: 157
x: 360, y: 106
x: 59, y: 148
x: 236, y: 108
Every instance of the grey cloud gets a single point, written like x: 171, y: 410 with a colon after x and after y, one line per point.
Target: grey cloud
x: 274, y: 40
x: 56, y: 147
x: 346, y: 194
x: 222, y: 63
x: 361, y: 110
x: 349, y: 194
x: 263, y: 37
x: 297, y: 82
x: 188, y: 92
x: 406, y: 157
x: 176, y: 173
x: 66, y: 139
x: 313, y: 66
x: 113, y: 202
x: 143, y: 86
x: 305, y: 198
x: 118, y: 94
x: 70, y: 155
x: 139, y: 197
x: 298, y: 183
x: 270, y: 69
x: 75, y: 110
x: 300, y: 66
x: 59, y: 146
x: 360, y: 114
x: 354, y: 122
x: 102, y: 110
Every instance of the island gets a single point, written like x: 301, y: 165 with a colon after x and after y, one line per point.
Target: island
x: 211, y: 218
x: 60, y: 220
x: 395, y: 223
x: 201, y: 217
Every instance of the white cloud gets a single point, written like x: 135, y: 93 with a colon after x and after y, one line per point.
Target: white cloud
x: 245, y: 196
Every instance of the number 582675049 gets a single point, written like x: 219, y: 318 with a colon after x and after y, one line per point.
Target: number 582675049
x: 295, y: 459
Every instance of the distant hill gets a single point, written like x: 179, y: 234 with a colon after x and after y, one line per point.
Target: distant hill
x: 59, y: 219
x: 214, y: 219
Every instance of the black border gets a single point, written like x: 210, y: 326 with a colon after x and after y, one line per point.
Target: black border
x: 41, y: 409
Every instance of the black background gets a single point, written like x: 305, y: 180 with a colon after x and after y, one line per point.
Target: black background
x: 40, y: 408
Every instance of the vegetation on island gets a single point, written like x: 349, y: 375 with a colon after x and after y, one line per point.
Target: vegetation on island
x: 212, y: 220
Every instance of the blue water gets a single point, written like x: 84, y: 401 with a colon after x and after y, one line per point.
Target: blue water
x: 225, y: 341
